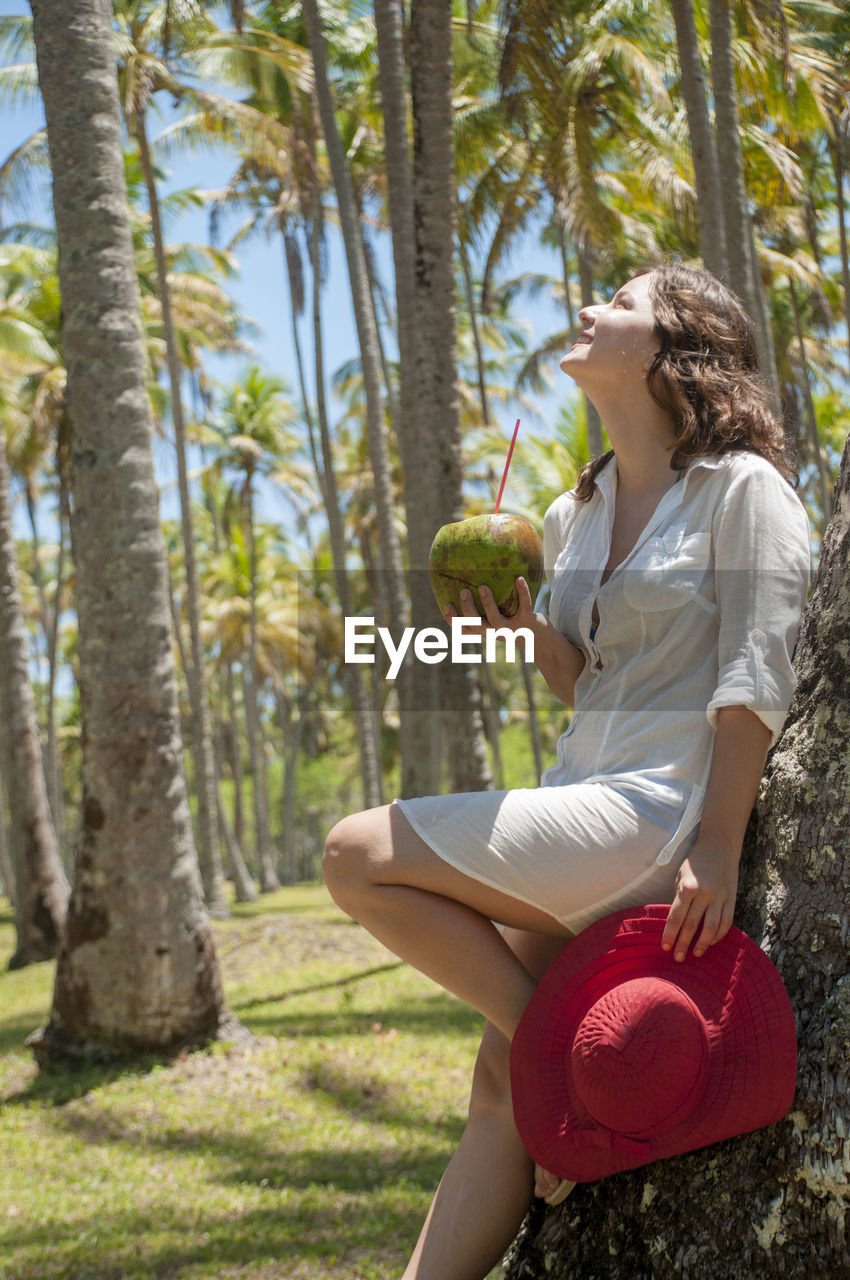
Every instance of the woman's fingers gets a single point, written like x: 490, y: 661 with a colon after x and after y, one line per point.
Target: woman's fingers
x: 678, y: 934
x: 492, y: 614
x: 710, y: 926
x: 684, y: 919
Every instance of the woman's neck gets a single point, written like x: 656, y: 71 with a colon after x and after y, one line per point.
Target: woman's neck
x: 645, y: 472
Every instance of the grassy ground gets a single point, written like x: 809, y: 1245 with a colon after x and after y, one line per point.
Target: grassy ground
x: 310, y: 1155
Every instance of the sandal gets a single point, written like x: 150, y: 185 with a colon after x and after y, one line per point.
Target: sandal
x: 560, y: 1193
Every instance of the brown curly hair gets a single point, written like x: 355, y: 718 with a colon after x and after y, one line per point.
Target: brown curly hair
x: 705, y: 374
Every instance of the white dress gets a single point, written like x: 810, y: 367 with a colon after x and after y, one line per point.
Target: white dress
x: 702, y: 613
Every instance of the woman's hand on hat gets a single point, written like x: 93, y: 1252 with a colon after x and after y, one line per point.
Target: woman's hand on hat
x: 706, y: 888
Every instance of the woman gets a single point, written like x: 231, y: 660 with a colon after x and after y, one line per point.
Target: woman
x: 678, y: 570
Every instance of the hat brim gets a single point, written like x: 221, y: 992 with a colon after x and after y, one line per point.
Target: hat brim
x: 750, y: 1076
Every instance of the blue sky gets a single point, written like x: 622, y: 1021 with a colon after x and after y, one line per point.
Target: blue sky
x: 260, y: 289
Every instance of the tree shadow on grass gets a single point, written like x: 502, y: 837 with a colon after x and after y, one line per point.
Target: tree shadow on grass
x: 162, y: 1241
x: 317, y: 986
x: 55, y: 1087
x: 14, y: 1031
x: 427, y: 1018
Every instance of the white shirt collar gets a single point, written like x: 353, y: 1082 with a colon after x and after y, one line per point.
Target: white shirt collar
x: 607, y: 478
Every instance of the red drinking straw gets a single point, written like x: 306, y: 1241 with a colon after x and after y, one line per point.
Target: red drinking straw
x: 507, y: 464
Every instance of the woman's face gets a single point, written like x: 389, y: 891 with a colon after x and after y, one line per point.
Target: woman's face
x: 618, y: 339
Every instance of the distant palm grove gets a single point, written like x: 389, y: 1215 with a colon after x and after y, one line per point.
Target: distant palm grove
x: 442, y: 145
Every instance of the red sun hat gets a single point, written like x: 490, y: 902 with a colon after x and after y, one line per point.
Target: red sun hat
x: 624, y: 1055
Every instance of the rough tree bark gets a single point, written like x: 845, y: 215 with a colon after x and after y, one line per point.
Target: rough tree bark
x: 773, y: 1203
x: 40, y: 887
x: 420, y: 751
x: 202, y: 748
x: 137, y: 970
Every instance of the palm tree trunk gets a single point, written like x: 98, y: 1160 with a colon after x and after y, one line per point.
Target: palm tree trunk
x: 367, y: 736
x: 367, y: 334
x: 246, y: 890
x: 294, y: 275
x: 376, y: 294
x: 292, y: 741
x: 744, y: 274
x: 269, y: 880
x: 7, y: 873
x: 836, y: 149
x: 210, y: 848
x: 565, y: 271
x: 533, y: 719
x: 709, y: 204
x: 137, y: 970
x: 476, y: 337
x: 434, y: 196
x: 420, y: 744
x: 41, y: 889
x: 585, y: 274
x: 50, y: 627
x: 236, y: 760
x: 811, y: 417
x: 55, y: 784
x: 490, y: 703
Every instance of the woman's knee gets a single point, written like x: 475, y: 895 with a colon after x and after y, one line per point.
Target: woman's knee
x: 342, y: 858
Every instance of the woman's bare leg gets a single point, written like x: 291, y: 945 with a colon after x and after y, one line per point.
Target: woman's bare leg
x: 388, y: 879
x: 487, y: 1188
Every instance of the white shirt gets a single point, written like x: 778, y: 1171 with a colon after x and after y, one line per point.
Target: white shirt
x: 703, y: 613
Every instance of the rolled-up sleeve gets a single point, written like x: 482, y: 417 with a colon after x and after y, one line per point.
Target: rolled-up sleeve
x: 762, y: 563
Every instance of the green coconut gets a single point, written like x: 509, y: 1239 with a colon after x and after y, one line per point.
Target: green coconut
x: 491, y: 551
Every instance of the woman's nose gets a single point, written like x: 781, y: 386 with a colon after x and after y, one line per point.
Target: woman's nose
x: 588, y: 313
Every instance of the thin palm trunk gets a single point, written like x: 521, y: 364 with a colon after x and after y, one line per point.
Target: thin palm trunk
x: 376, y: 293
x: 269, y: 880
x: 137, y: 970
x: 420, y: 745
x: 367, y: 735
x: 744, y: 274
x: 476, y: 337
x: 210, y: 849
x: 490, y: 703
x: 434, y: 196
x: 245, y: 889
x: 292, y: 742
x: 585, y: 273
x: 709, y: 203
x: 50, y: 627
x: 533, y: 719
x: 236, y: 760
x: 233, y: 838
x: 816, y: 448
x: 41, y: 897
x: 294, y: 275
x: 836, y: 149
x: 565, y: 272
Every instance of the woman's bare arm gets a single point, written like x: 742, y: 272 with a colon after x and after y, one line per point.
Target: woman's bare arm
x: 707, y: 883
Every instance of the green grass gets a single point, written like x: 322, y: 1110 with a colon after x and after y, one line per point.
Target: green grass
x: 310, y: 1155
